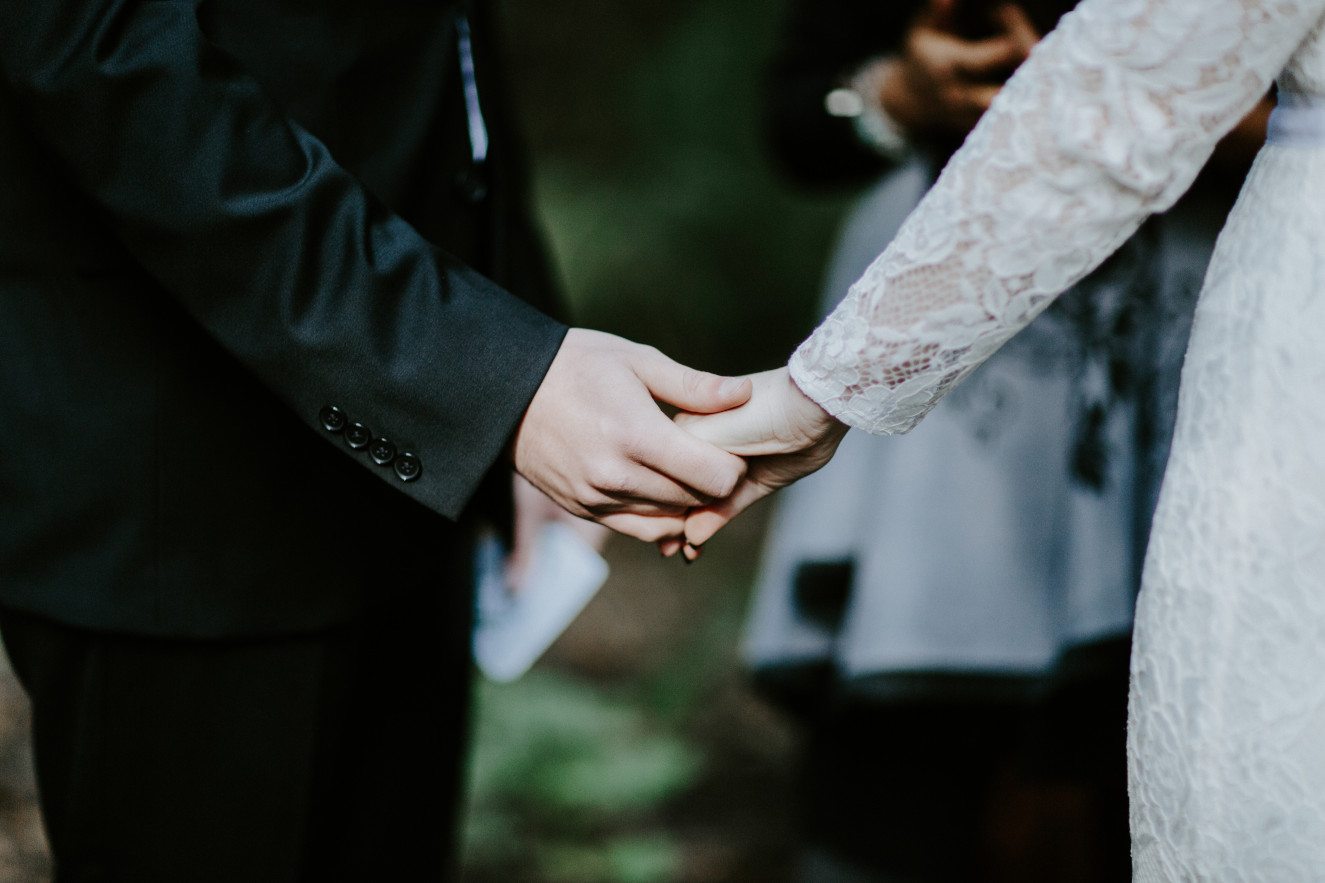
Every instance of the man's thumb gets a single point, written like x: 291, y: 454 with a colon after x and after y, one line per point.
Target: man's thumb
x: 697, y: 391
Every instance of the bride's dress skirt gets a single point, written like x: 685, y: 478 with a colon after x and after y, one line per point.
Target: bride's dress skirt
x: 1227, y: 729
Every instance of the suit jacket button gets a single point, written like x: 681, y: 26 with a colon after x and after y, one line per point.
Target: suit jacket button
x: 408, y: 467
x: 382, y: 451
x: 358, y: 436
x: 332, y: 418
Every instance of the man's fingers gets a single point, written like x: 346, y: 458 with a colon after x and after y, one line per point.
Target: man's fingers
x: 677, y: 455
x: 650, y: 529
x: 646, y: 488
x: 702, y: 523
x: 656, y: 464
x: 670, y: 546
x: 698, y: 465
x: 686, y: 388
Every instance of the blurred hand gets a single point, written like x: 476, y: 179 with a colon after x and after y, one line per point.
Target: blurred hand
x: 783, y: 434
x: 533, y: 509
x: 595, y: 441
x: 941, y: 82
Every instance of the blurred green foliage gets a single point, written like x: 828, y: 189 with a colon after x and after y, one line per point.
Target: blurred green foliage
x: 563, y: 778
x: 575, y: 780
x: 667, y: 220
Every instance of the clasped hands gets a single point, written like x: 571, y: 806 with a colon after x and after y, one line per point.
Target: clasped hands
x: 782, y: 434
x: 595, y: 441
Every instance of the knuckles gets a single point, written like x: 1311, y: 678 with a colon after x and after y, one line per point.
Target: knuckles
x: 653, y: 530
x: 727, y: 479
x: 609, y: 481
x: 632, y: 444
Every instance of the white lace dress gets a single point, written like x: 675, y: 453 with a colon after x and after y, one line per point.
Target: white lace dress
x: 1109, y: 121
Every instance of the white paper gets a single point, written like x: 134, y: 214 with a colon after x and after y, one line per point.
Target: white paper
x: 515, y: 626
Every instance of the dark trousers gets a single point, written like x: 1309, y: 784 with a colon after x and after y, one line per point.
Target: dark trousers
x: 973, y: 792
x: 323, y: 757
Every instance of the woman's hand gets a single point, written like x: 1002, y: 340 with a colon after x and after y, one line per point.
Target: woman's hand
x: 782, y: 433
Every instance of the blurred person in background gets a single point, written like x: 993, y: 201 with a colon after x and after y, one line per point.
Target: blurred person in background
x: 271, y: 312
x: 961, y: 670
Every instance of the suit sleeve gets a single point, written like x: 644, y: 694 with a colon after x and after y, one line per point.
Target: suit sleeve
x: 278, y: 252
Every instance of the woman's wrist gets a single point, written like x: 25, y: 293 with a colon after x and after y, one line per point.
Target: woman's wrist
x: 809, y: 415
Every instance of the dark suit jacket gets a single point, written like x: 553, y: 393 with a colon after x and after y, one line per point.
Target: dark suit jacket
x: 217, y: 219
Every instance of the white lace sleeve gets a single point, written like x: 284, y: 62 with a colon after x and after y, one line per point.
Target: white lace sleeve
x: 1109, y: 120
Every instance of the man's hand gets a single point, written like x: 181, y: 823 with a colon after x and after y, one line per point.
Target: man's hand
x: 942, y: 83
x: 784, y: 434
x: 595, y: 441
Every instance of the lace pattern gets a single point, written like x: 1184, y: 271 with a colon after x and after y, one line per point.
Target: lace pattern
x: 1109, y: 120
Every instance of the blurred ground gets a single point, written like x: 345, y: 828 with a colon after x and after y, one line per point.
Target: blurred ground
x: 636, y: 752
